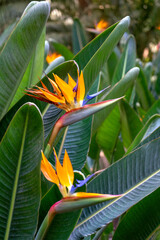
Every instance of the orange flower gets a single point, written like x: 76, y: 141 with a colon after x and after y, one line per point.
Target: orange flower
x: 63, y: 177
x: 66, y: 96
x: 101, y: 25
x: 52, y: 56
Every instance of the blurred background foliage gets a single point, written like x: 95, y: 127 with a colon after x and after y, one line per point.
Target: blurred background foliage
x: 145, y: 18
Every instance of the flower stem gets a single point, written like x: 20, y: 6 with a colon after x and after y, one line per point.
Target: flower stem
x: 62, y: 143
x: 45, y: 226
x: 57, y: 127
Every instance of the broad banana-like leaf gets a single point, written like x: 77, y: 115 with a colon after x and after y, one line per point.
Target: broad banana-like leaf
x: 145, y: 97
x: 17, y: 52
x: 4, y: 35
x: 118, y: 90
x: 136, y: 176
x: 130, y: 123
x: 142, y: 220
x: 127, y: 60
x: 53, y: 65
x: 148, y: 68
x: 34, y: 70
x: 20, y: 174
x: 154, y: 109
x: 151, y: 126
x: 93, y: 56
x: 63, y: 50
x: 79, y: 38
x: 108, y: 132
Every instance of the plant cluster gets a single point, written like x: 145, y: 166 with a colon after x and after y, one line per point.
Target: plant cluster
x: 57, y: 118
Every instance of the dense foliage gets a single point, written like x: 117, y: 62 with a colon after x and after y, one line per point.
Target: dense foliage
x: 126, y: 132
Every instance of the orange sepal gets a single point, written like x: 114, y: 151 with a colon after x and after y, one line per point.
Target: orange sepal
x: 71, y: 82
x: 61, y: 172
x: 65, y: 88
x: 81, y: 88
x: 67, y: 165
x: 48, y: 171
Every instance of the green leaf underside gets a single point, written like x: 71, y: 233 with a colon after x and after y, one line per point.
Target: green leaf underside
x: 135, y: 175
x: 145, y: 97
x: 13, y: 64
x: 65, y: 52
x: 130, y: 123
x: 93, y: 56
x: 150, y: 127
x: 155, y: 109
x: 33, y: 71
x: 127, y: 60
x: 141, y: 220
x: 78, y: 36
x: 108, y: 132
x: 20, y: 175
x: 118, y: 90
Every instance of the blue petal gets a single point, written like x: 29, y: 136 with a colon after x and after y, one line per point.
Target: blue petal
x: 89, y: 97
x: 75, y: 88
x: 73, y: 189
x: 80, y: 183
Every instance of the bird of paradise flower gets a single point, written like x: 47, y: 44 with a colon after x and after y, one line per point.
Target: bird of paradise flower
x: 63, y: 177
x: 69, y: 97
x: 52, y: 56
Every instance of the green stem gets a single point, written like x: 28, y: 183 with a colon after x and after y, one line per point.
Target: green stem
x: 45, y: 226
x: 62, y: 143
x: 53, y: 136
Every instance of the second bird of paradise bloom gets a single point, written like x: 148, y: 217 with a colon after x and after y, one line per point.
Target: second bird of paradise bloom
x: 52, y: 56
x: 63, y: 177
x: 101, y: 25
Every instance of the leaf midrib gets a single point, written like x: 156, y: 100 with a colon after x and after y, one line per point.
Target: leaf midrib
x: 16, y: 181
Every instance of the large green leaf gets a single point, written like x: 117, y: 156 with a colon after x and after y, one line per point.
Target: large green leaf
x: 151, y: 126
x: 108, y: 132
x: 154, y: 109
x: 17, y: 52
x: 136, y: 176
x: 112, y: 62
x: 93, y: 56
x: 145, y: 97
x: 4, y: 35
x: 53, y: 65
x: 127, y: 60
x: 34, y: 70
x: 63, y: 50
x: 79, y: 39
x: 118, y: 90
x: 20, y: 174
x: 130, y: 123
x: 141, y: 220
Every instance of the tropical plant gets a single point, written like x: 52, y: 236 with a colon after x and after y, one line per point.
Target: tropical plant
x: 52, y: 105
